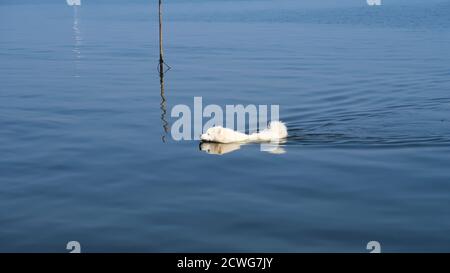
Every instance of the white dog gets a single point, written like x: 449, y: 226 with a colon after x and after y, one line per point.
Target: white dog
x: 274, y: 132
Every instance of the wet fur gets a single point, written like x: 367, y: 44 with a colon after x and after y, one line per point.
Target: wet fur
x: 276, y: 131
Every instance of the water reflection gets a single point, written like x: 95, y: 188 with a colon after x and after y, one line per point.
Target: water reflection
x: 162, y: 70
x: 221, y: 148
x: 163, y: 106
x: 77, y: 41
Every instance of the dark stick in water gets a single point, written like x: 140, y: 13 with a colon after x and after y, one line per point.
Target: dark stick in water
x: 162, y: 63
x: 161, y: 75
x: 161, y: 53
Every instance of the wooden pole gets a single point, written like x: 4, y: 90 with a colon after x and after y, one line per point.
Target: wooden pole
x: 161, y: 51
x: 161, y: 75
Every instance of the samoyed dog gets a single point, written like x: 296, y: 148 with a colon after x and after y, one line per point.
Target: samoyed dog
x: 276, y: 131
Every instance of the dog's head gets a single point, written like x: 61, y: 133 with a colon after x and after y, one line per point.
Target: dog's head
x: 212, y: 134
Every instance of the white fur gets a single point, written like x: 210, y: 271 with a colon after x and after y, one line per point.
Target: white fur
x: 274, y: 132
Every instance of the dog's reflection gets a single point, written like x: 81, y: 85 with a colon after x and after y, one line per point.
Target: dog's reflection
x: 221, y: 148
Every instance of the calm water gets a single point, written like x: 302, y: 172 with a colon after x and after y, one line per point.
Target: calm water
x: 365, y: 92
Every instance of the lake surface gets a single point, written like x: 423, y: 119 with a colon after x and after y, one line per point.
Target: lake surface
x: 365, y: 92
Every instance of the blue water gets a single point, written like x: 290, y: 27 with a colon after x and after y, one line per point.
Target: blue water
x: 365, y: 92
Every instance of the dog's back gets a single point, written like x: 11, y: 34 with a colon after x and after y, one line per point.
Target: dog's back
x: 274, y: 132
